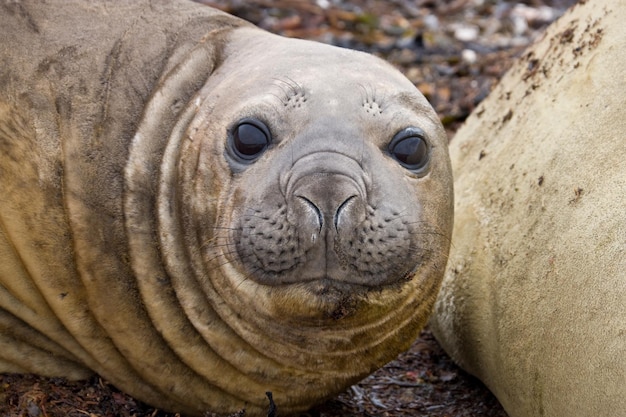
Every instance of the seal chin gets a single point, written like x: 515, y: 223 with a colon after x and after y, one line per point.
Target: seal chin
x: 354, y: 282
x: 320, y: 301
x: 336, y: 299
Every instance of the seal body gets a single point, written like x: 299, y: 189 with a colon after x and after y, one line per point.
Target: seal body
x: 201, y: 211
x: 534, y: 297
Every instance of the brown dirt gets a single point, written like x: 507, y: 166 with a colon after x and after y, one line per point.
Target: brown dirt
x: 454, y: 52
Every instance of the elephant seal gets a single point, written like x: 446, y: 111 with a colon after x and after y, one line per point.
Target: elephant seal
x: 534, y: 297
x: 200, y: 211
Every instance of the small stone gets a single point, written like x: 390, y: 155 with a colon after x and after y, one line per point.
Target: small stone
x: 324, y: 4
x: 466, y: 33
x: 431, y: 22
x: 469, y: 56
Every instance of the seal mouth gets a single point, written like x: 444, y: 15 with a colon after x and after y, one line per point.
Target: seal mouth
x: 326, y: 284
x: 323, y: 285
x: 327, y: 298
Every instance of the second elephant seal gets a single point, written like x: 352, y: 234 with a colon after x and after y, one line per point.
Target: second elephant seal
x: 201, y: 212
x: 533, y: 301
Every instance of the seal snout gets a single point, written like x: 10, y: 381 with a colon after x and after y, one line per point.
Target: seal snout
x: 320, y: 215
x: 326, y: 192
x: 327, y: 207
x: 329, y: 223
x: 328, y: 201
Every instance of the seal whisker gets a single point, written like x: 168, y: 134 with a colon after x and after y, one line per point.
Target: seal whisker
x: 364, y: 95
x: 284, y: 100
x: 295, y: 87
x: 430, y: 229
x: 246, y: 277
x: 210, y: 245
x: 293, y: 161
x: 289, y: 88
x: 278, y: 98
x: 227, y: 261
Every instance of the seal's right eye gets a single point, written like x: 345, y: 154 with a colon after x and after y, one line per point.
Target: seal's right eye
x: 250, y: 138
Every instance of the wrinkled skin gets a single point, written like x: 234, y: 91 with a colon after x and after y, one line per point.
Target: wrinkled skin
x: 534, y: 297
x: 138, y: 243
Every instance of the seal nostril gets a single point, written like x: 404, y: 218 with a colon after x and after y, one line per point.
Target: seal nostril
x: 339, y: 209
x: 318, y: 212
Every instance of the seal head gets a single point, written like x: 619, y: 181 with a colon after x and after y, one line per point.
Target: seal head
x: 334, y: 185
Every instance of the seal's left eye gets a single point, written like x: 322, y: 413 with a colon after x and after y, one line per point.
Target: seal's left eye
x: 410, y: 148
x: 250, y: 138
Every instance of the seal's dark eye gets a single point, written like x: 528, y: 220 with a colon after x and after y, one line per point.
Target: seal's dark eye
x: 250, y: 138
x: 410, y: 149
